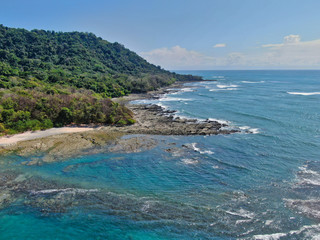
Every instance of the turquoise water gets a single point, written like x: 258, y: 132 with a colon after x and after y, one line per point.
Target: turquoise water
x: 263, y: 185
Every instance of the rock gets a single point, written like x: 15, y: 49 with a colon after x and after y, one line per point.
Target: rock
x: 135, y: 144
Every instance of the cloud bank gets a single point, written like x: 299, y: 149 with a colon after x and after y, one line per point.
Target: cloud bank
x: 176, y: 57
x: 290, y: 54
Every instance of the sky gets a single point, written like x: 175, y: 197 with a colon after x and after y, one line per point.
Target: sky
x: 188, y: 34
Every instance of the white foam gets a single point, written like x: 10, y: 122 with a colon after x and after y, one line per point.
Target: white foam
x: 242, y: 221
x: 189, y: 161
x: 196, y: 149
x: 218, y: 77
x: 242, y: 213
x: 231, y: 89
x: 308, y: 177
x: 273, y: 236
x: 187, y: 90
x: 227, y: 86
x: 268, y: 222
x: 162, y: 106
x: 223, y: 89
x: 173, y: 99
x: 247, y: 129
x: 207, y: 152
x: 254, y: 130
x: 219, y: 121
x: 304, y: 93
x: 252, y: 82
x: 307, y: 171
x: 315, y: 182
x: 310, y: 232
x: 208, y: 83
x: 63, y: 190
x: 147, y: 205
x: 308, y: 207
x: 179, y: 91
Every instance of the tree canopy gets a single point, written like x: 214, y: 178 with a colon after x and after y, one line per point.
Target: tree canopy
x: 52, y: 78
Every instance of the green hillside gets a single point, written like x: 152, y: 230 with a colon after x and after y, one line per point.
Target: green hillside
x: 78, y: 59
x: 52, y: 78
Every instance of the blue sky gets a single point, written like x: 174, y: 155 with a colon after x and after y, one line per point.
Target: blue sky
x: 181, y: 34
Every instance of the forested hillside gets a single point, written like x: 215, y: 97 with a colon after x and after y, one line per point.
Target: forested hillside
x: 78, y: 59
x: 52, y: 78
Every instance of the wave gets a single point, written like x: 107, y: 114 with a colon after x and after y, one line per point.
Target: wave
x: 189, y: 161
x: 252, y: 82
x: 220, y: 77
x: 304, y: 93
x: 224, y: 89
x: 173, y: 99
x: 305, y: 232
x: 215, y: 167
x: 194, y: 147
x: 227, y: 86
x: 310, y: 207
x: 221, y: 87
x: 228, y: 125
x: 308, y: 181
x: 248, y: 129
x: 179, y: 91
x: 187, y: 90
x: 242, y: 213
x: 219, y: 121
x: 251, y: 115
x: 243, y: 221
x: 307, y: 176
x: 63, y: 191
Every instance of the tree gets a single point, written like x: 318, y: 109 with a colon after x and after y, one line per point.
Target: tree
x: 65, y: 117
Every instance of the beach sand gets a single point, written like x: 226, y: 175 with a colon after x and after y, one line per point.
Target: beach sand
x: 10, y: 140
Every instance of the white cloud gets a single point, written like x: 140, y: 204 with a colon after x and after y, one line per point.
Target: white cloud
x: 176, y: 58
x: 292, y: 39
x: 291, y: 53
x: 220, y: 45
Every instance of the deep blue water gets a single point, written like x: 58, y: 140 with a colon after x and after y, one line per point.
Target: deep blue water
x: 262, y: 185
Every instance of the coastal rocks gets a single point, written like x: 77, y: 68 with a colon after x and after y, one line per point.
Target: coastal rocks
x: 61, y: 147
x: 310, y: 207
x: 132, y: 145
x: 5, y: 198
x: 150, y: 119
x: 153, y: 119
x: 39, y: 193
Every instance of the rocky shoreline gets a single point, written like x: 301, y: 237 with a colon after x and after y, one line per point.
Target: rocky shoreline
x: 150, y: 120
x: 155, y: 120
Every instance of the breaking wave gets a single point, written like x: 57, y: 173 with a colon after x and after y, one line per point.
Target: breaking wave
x: 194, y: 147
x: 304, y: 93
x: 305, y: 232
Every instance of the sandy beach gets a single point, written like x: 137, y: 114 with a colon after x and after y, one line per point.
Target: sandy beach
x: 10, y: 140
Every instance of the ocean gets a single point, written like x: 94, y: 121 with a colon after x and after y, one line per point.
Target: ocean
x: 259, y: 185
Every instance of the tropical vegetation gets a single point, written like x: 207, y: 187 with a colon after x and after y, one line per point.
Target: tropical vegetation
x: 52, y: 78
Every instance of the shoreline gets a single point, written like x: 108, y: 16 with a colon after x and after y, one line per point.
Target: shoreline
x: 8, y: 140
x: 31, y: 135
x: 60, y: 144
